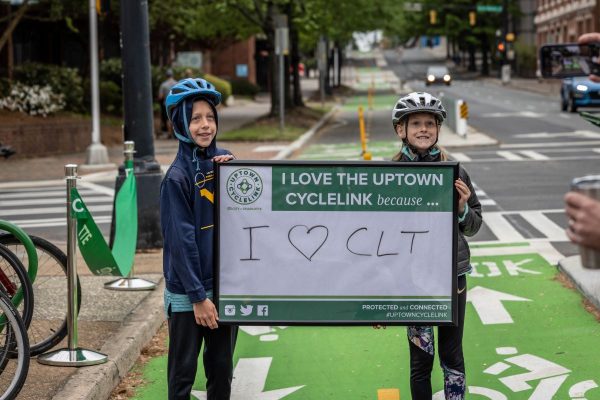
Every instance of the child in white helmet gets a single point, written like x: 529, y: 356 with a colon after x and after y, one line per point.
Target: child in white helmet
x: 417, y: 119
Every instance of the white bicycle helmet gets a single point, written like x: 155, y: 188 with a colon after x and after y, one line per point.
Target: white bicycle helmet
x: 417, y: 102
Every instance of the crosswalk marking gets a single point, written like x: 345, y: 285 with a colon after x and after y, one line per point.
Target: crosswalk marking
x: 487, y: 202
x: 47, y: 201
x: 501, y: 228
x: 534, y: 155
x: 50, y: 210
x: 597, y: 150
x: 509, y: 155
x: 460, y: 157
x: 261, y: 149
x: 545, y: 225
x: 98, y: 188
x: 53, y: 222
x: 46, y: 194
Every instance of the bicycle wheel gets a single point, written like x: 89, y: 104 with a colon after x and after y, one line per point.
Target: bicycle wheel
x: 13, y: 342
x: 49, y: 324
x: 16, y: 284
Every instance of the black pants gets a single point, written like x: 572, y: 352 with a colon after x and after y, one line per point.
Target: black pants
x: 449, y: 340
x: 185, y: 341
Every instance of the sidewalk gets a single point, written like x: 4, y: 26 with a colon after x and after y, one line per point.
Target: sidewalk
x: 120, y: 323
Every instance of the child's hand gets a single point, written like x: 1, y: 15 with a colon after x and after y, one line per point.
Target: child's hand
x: 463, y: 194
x: 223, y: 158
x: 206, y: 314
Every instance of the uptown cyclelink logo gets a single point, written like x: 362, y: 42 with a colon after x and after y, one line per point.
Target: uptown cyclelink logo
x: 244, y: 186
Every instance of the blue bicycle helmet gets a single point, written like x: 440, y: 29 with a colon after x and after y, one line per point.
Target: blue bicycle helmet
x: 188, y: 89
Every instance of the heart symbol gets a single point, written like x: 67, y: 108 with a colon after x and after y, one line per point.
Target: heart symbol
x: 308, y: 240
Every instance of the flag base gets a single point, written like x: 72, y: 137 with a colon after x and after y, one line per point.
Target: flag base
x: 72, y: 358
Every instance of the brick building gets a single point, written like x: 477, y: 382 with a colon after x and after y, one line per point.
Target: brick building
x: 562, y: 21
x: 234, y: 61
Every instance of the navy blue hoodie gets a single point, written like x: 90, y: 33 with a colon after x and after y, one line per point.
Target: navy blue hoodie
x: 186, y: 213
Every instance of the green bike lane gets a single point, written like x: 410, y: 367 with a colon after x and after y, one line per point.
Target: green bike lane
x: 526, y: 337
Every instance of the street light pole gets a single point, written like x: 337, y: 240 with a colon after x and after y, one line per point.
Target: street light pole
x: 139, y: 120
x: 96, y: 154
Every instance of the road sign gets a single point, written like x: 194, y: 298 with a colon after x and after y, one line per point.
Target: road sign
x: 464, y: 110
x: 489, y: 8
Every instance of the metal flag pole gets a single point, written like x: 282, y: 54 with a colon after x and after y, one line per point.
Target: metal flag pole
x: 130, y: 282
x: 73, y: 356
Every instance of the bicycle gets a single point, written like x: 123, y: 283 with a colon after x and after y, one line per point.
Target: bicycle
x: 14, y: 350
x: 48, y: 326
x: 16, y: 284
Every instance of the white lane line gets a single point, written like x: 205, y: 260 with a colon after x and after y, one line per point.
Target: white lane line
x: 98, y: 188
x: 460, y: 157
x: 534, y: 155
x: 545, y: 225
x: 50, y: 222
x: 540, y: 246
x: 573, y: 158
x: 487, y: 202
x: 501, y: 228
x: 551, y: 144
x: 46, y: 201
x: 50, y: 210
x: 263, y: 149
x: 509, y: 155
x: 26, y: 194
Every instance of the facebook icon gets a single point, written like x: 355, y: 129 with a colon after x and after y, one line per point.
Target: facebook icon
x: 262, y: 311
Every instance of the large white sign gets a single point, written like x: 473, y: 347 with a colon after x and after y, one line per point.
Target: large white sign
x: 336, y: 243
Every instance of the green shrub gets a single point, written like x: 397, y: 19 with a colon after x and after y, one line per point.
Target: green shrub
x: 244, y: 87
x: 33, y: 100
x: 111, y: 98
x: 111, y: 70
x: 63, y: 81
x: 221, y: 85
x: 4, y: 87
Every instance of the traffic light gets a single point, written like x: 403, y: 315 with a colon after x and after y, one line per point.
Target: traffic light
x: 501, y: 47
x: 432, y: 17
x: 472, y: 18
x: 102, y: 6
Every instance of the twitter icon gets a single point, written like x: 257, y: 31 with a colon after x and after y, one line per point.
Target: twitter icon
x: 246, y: 310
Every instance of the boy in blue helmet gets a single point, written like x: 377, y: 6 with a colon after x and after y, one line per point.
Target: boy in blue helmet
x: 186, y: 211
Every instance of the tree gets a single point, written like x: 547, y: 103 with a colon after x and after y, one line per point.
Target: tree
x: 41, y: 10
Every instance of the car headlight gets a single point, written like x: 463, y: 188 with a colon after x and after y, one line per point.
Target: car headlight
x: 430, y: 78
x: 446, y: 78
x: 582, y: 88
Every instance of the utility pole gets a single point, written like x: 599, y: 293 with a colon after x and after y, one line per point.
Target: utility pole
x: 96, y: 153
x: 139, y: 120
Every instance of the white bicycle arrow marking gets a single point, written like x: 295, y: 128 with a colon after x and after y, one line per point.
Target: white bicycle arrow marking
x: 249, y: 380
x: 488, y: 305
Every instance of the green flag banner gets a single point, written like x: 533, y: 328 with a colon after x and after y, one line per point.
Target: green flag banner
x: 100, y: 259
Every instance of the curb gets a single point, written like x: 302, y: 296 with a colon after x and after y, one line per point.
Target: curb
x: 585, y: 279
x: 301, y: 141
x: 122, y: 348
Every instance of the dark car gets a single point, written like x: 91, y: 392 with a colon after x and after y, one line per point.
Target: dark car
x: 579, y: 92
x: 438, y: 74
